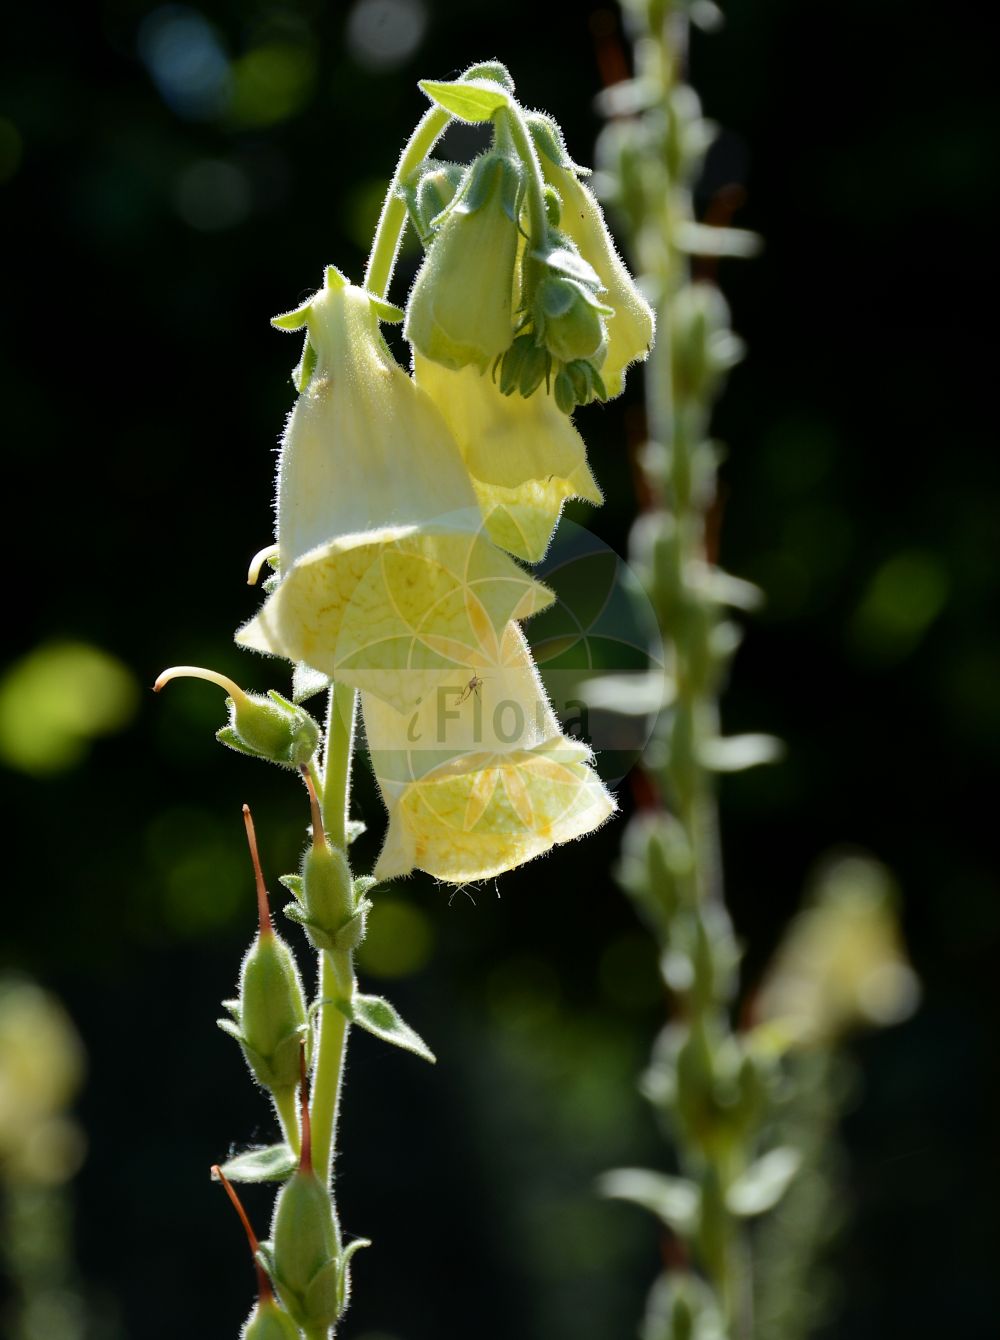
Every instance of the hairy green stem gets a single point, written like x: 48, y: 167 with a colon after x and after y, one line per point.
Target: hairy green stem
x: 286, y: 1106
x: 336, y: 971
x: 538, y: 222
x: 392, y: 220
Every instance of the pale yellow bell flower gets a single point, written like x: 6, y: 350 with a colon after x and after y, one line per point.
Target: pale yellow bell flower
x: 524, y: 456
x: 386, y: 569
x: 631, y: 329
x: 480, y: 779
x: 842, y: 963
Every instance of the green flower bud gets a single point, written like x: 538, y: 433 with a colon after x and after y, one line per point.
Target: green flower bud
x: 428, y: 192
x: 307, y: 1268
x: 570, y: 319
x: 524, y: 367
x: 702, y: 347
x: 461, y: 306
x: 268, y: 727
x: 269, y: 1015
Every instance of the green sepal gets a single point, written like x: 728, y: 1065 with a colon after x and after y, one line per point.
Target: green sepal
x: 271, y: 1163
x: 293, y: 883
x: 322, y: 1298
x: 674, y: 1200
x: 385, y: 311
x: 233, y: 1006
x: 232, y: 1027
x: 318, y: 937
x: 469, y: 100
x: 334, y: 278
x: 763, y: 1184
x: 297, y: 319
x: 567, y: 261
x: 362, y: 885
x: 352, y: 932
x: 227, y: 736
x: 270, y: 1322
x: 549, y: 140
x: 344, y: 1282
x: 355, y: 827
x: 375, y: 1014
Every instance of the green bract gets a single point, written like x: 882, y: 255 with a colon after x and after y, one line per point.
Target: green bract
x: 460, y: 309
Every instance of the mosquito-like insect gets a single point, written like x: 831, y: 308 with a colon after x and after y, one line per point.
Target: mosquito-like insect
x: 473, y: 687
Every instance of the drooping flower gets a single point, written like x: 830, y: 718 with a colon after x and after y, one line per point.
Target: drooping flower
x: 480, y: 779
x: 386, y: 569
x: 630, y: 330
x: 461, y: 308
x: 524, y: 456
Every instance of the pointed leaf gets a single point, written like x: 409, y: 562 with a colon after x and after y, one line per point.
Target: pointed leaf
x: 379, y: 1017
x: 764, y: 1183
x: 475, y: 100
x: 674, y: 1200
x: 272, y: 1163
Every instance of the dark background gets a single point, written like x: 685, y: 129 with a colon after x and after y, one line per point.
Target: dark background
x: 148, y: 243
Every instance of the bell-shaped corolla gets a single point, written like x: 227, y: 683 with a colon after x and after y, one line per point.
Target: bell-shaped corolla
x: 524, y: 456
x: 386, y: 571
x: 460, y: 310
x: 480, y: 779
x: 630, y: 330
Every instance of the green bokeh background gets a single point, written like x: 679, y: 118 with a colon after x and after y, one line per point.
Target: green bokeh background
x: 143, y: 390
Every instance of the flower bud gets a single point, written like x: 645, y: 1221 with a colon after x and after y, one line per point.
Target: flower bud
x: 630, y: 330
x: 269, y: 1015
x: 268, y: 727
x: 569, y: 318
x: 460, y: 308
x: 428, y: 192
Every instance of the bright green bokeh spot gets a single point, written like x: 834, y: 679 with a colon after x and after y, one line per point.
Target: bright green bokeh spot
x: 399, y: 939
x: 271, y: 83
x: 903, y: 599
x: 11, y: 149
x: 56, y: 699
